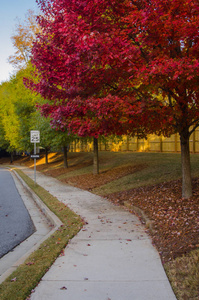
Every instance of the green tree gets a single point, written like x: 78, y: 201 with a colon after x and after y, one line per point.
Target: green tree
x: 47, y: 134
x: 17, y: 105
x: 9, y: 119
x: 62, y: 141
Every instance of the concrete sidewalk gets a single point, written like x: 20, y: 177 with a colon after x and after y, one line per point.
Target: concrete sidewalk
x: 111, y: 258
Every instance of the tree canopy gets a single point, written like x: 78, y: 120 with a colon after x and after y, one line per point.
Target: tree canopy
x: 18, y: 111
x: 143, y: 52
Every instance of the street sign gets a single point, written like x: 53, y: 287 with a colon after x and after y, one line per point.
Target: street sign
x: 35, y: 156
x: 35, y: 136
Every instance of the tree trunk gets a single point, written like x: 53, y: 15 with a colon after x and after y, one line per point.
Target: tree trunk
x: 46, y: 155
x: 65, y: 157
x: 95, y: 157
x: 186, y: 167
x: 11, y: 157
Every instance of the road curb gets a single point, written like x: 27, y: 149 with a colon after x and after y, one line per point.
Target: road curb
x: 54, y: 221
x: 51, y: 217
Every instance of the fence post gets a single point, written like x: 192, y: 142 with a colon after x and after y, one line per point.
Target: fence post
x: 176, y: 142
x: 75, y: 149
x: 194, y: 142
x: 161, y: 148
x: 148, y: 144
x: 137, y: 147
x: 127, y: 143
x: 100, y: 143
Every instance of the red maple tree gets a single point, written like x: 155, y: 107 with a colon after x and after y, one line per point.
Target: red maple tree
x: 83, y: 105
x: 145, y: 52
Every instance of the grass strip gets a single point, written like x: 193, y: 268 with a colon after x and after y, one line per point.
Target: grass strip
x: 183, y: 273
x: 25, y: 278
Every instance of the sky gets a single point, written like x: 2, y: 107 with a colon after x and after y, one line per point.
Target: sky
x: 10, y: 10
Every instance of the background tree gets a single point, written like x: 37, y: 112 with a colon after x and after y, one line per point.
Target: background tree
x: 47, y: 134
x: 61, y: 141
x: 3, y: 143
x: 22, y: 40
x: 18, y: 106
x: 9, y: 119
x: 4, y: 140
x: 51, y: 138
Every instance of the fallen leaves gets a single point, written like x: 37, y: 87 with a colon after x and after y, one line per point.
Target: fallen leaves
x: 90, y: 181
x: 62, y: 253
x: 175, y: 229
x: 30, y: 263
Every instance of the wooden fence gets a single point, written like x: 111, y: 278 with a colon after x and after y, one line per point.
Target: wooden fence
x: 153, y: 143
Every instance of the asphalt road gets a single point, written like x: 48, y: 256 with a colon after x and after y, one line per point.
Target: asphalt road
x: 15, y: 222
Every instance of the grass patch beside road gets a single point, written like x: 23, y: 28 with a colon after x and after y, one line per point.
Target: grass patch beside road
x: 21, y: 282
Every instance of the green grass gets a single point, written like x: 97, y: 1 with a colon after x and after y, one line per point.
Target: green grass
x: 183, y: 273
x: 27, y: 275
x: 160, y: 167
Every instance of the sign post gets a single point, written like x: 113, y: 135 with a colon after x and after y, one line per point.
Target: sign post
x: 35, y: 138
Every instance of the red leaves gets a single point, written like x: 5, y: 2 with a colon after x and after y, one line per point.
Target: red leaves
x: 175, y: 229
x: 63, y: 288
x: 93, y: 116
x: 30, y: 263
x: 90, y: 50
